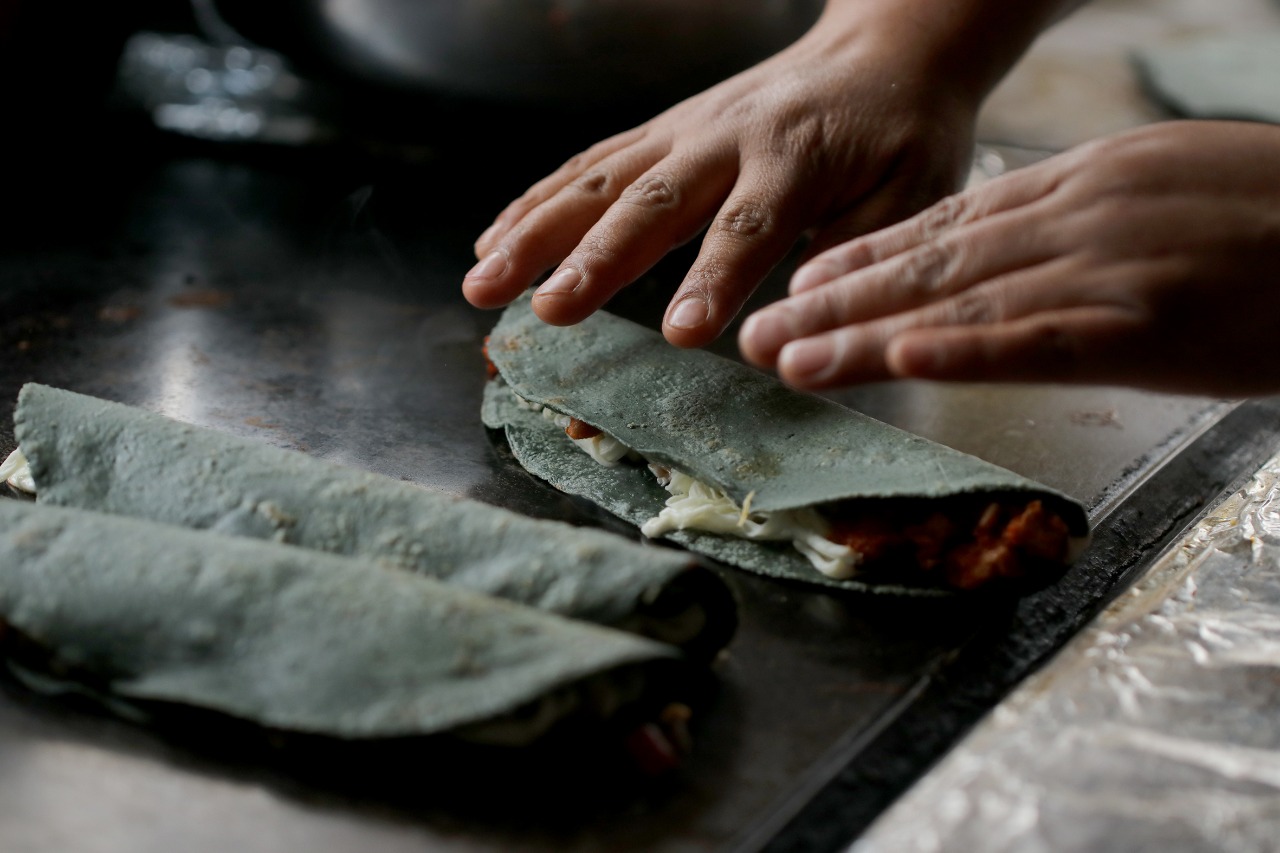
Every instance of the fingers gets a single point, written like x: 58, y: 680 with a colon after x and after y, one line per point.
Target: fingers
x: 665, y: 207
x: 1073, y: 345
x: 752, y: 232
x: 544, y: 189
x: 537, y: 231
x: 1064, y: 345
x: 931, y: 272
x: 855, y: 352
x: 1010, y: 192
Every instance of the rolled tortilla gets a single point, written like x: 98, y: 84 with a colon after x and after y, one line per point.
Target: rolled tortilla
x: 764, y: 447
x: 102, y: 456
x: 297, y: 640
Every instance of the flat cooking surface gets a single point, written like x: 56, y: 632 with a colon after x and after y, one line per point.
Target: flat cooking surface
x: 312, y: 302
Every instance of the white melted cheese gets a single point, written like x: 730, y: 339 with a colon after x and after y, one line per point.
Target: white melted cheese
x: 603, y: 448
x: 16, y: 471
x: 694, y: 505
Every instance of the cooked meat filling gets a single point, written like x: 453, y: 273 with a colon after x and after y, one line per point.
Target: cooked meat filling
x: 975, y: 543
x: 490, y: 369
x: 581, y: 430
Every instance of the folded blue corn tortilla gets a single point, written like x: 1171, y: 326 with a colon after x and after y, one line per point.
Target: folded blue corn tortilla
x: 93, y: 454
x: 732, y: 463
x: 1214, y: 76
x: 297, y: 640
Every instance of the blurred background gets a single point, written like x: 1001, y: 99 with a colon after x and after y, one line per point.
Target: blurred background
x: 375, y: 72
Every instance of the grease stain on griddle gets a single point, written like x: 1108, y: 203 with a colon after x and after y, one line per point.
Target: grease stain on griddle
x: 1097, y: 418
x: 119, y: 314
x: 201, y: 298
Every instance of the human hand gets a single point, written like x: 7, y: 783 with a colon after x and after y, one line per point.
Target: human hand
x: 1147, y: 259
x: 844, y: 131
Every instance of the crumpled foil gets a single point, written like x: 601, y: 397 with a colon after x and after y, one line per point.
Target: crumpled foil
x: 1157, y: 728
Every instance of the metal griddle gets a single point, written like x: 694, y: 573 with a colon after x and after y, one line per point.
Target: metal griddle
x: 310, y: 300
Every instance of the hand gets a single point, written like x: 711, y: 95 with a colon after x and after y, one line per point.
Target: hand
x: 844, y: 131
x: 1148, y: 259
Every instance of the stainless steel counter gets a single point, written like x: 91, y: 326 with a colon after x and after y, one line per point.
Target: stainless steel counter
x: 279, y: 301
x: 310, y: 300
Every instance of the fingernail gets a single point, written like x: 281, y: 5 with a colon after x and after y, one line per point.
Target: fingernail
x: 493, y: 265
x: 689, y: 313
x: 811, y: 359
x: 810, y: 275
x: 565, y: 281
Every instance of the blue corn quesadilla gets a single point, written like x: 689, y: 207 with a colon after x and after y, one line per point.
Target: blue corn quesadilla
x: 731, y: 463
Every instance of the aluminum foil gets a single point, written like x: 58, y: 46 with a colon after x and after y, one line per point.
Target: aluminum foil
x: 1157, y: 728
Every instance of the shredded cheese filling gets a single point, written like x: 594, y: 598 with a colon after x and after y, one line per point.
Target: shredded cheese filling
x: 695, y: 505
x: 16, y: 471
x: 605, y: 449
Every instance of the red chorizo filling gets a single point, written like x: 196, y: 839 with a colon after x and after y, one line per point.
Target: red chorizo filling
x: 976, y: 542
x: 580, y: 430
x: 490, y: 369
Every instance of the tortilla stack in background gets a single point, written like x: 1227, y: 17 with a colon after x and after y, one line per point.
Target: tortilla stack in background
x: 300, y: 641
x: 757, y: 457
x: 110, y: 458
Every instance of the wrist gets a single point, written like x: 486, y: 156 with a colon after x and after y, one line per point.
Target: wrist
x: 964, y: 45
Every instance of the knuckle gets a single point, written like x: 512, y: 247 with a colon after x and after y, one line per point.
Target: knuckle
x: 799, y: 133
x: 869, y: 252
x: 973, y: 309
x: 856, y: 254
x: 577, y: 162
x: 655, y: 191
x: 530, y: 198
x: 942, y: 215
x: 593, y: 183
x: 928, y: 269
x: 744, y: 219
